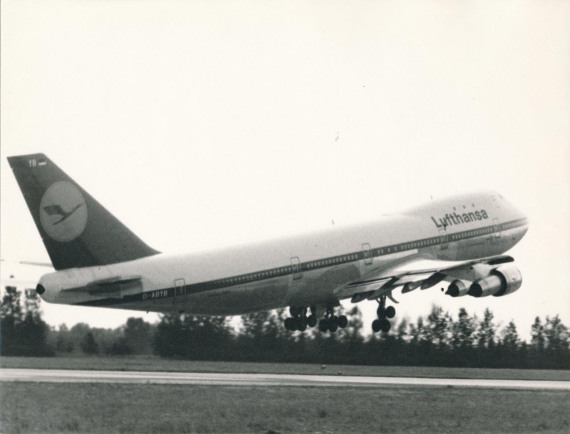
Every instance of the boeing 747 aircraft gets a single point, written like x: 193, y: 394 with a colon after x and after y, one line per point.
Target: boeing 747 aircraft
x: 458, y: 242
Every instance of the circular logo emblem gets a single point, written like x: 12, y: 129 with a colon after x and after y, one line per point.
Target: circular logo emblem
x: 63, y: 211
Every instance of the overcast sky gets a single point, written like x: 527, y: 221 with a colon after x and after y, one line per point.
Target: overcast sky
x: 205, y: 123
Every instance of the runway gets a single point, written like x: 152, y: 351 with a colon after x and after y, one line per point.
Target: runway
x: 281, y: 380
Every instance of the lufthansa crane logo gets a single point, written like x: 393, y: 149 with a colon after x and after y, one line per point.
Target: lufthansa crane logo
x: 63, y: 211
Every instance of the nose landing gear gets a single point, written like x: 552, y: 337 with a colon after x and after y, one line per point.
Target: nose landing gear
x: 384, y: 313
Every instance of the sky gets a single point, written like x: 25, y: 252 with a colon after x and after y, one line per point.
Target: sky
x: 202, y: 124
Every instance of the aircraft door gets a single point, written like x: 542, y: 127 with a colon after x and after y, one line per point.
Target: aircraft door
x: 179, y: 288
x: 365, y: 264
x: 442, y: 251
x: 443, y: 239
x: 496, y: 231
x: 296, y: 279
x: 296, y: 268
x: 367, y: 254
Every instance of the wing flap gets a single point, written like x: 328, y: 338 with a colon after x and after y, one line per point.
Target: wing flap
x: 360, y: 288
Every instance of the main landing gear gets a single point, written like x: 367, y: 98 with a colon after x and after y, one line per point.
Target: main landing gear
x: 300, y: 321
x: 331, y: 322
x: 384, y: 313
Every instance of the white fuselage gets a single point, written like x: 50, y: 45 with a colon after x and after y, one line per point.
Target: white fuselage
x: 301, y: 270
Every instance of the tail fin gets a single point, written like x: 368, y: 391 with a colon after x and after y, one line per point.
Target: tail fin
x: 76, y: 230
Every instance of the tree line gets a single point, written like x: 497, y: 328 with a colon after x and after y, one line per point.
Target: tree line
x: 437, y: 339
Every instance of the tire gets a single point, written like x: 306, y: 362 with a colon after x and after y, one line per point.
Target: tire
x: 385, y: 326
x: 390, y: 312
x: 312, y: 321
x: 342, y: 321
x: 333, y: 326
x: 293, y: 311
x: 301, y: 325
x: 323, y: 325
x: 290, y: 324
x: 376, y: 326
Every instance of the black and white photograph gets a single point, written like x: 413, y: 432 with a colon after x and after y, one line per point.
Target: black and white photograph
x: 284, y: 216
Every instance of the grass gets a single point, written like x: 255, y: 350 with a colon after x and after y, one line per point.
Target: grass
x: 54, y: 407
x: 150, y: 363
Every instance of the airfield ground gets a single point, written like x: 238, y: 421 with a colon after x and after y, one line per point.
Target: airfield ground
x: 152, y: 363
x: 49, y: 407
x: 69, y: 407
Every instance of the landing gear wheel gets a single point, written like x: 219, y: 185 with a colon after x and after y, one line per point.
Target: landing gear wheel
x: 390, y: 312
x: 342, y: 321
x: 333, y: 326
x: 323, y: 325
x: 299, y: 320
x: 385, y: 325
x: 376, y: 326
x: 312, y: 321
x: 290, y: 324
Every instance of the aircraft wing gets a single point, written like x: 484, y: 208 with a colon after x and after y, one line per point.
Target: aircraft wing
x: 411, y: 274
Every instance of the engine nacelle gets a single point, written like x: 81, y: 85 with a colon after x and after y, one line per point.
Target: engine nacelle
x: 458, y: 288
x: 501, y: 281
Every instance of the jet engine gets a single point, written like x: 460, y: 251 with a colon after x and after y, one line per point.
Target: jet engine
x: 482, y: 282
x: 458, y: 288
x: 501, y: 281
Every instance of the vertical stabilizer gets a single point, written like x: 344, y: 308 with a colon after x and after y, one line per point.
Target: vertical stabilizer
x: 76, y: 230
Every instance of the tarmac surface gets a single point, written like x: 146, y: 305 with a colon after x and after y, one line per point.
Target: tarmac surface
x: 238, y: 379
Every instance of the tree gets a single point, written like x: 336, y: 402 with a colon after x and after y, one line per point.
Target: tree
x: 463, y: 331
x: 510, y: 339
x: 138, y: 336
x: 12, y: 316
x: 486, y: 331
x: 537, y: 335
x: 33, y: 329
x: 437, y: 327
x: 354, y: 326
x: 169, y: 336
x: 63, y: 342
x: 11, y: 306
x: 262, y: 336
x: 402, y: 330
x: 555, y: 334
x: 89, y: 345
x: 24, y: 333
x: 192, y: 337
x: 257, y: 325
x: 417, y: 332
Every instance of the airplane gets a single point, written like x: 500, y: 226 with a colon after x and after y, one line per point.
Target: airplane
x: 457, y: 241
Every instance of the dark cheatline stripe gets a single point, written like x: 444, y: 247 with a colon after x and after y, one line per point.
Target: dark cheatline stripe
x: 211, y: 285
